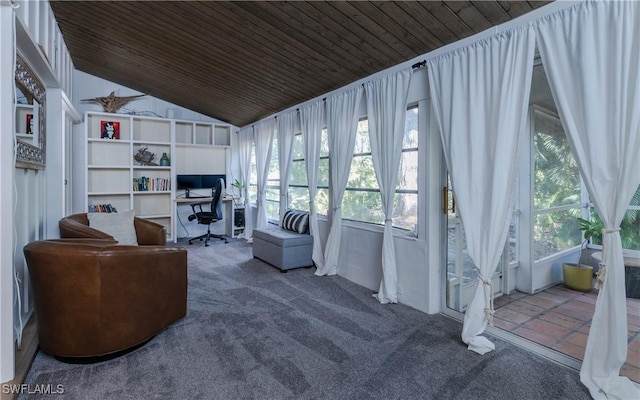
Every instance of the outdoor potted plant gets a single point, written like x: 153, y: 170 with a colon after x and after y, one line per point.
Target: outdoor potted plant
x: 578, y: 276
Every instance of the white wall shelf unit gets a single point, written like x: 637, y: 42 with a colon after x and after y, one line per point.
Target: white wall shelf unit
x: 199, y: 133
x: 114, y: 176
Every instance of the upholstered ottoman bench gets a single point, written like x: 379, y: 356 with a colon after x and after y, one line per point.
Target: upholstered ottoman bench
x: 285, y: 248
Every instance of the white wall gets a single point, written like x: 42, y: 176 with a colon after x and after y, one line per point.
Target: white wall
x: 6, y: 194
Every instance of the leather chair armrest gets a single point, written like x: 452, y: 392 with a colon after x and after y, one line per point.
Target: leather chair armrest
x: 150, y: 233
x: 71, y: 228
x: 89, y: 241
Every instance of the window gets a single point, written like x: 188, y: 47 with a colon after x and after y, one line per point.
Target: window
x: 299, y: 187
x: 629, y: 227
x: 273, y: 182
x: 556, y: 194
x: 253, y: 177
x: 361, y: 201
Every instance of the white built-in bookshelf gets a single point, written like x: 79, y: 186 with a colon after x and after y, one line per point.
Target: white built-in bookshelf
x: 114, y: 176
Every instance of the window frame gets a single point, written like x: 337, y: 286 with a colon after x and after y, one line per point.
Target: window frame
x: 580, y: 205
x: 416, y: 192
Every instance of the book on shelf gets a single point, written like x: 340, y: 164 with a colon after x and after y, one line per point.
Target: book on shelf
x: 104, y: 208
x: 146, y: 184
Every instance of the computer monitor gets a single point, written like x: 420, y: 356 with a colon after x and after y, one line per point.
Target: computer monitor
x: 189, y: 182
x: 209, y: 181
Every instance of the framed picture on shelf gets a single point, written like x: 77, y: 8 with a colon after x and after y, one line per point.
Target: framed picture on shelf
x: 110, y: 130
x: 29, y: 124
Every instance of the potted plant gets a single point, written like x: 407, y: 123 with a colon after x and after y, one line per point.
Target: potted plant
x: 239, y: 186
x: 578, y: 276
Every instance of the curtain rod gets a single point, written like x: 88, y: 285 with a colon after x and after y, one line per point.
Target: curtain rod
x: 419, y: 64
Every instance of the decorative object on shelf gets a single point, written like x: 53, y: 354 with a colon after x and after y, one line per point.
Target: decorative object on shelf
x: 145, y: 157
x: 110, y: 130
x: 164, y: 160
x: 112, y: 103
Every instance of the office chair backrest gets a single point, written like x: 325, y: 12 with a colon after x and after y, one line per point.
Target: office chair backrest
x: 216, y: 202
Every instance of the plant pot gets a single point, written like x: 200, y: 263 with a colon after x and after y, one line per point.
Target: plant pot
x: 577, y: 276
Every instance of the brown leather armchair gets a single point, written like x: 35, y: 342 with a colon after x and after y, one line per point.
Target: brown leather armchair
x: 94, y: 297
x: 147, y: 232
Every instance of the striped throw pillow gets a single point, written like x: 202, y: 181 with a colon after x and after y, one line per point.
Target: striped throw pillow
x: 296, y: 221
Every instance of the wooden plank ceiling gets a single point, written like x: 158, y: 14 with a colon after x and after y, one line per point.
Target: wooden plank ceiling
x: 242, y: 61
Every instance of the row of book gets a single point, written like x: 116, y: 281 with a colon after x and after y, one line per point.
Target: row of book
x: 105, y: 208
x: 145, y: 184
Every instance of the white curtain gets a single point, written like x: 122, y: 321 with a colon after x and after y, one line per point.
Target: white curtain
x: 591, y: 54
x: 286, y: 134
x: 311, y: 121
x: 264, y: 132
x: 245, y: 140
x: 480, y: 95
x: 342, y: 126
x: 386, y: 112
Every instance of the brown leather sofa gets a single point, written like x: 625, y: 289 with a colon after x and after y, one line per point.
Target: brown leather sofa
x: 94, y: 297
x: 147, y: 232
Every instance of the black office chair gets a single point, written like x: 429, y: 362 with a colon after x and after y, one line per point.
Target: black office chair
x: 209, y: 217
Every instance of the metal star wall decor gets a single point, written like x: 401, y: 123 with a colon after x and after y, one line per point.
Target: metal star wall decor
x: 112, y: 103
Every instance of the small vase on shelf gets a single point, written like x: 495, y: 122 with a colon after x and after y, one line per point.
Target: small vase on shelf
x: 164, y: 160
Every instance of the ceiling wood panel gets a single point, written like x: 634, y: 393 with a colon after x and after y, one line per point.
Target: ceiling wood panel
x: 428, y: 21
x: 242, y: 61
x: 492, y: 11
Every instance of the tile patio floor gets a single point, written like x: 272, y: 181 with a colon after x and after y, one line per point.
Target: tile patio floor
x: 559, y: 318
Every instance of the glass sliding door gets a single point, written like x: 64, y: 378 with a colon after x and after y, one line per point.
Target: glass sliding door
x: 462, y: 276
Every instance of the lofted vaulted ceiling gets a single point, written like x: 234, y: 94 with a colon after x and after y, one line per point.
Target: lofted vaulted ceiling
x: 242, y: 61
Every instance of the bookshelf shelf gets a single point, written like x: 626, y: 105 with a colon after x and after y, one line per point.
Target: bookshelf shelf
x: 108, y: 167
x: 107, y: 193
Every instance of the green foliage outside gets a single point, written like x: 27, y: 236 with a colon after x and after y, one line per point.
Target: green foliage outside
x: 557, y: 184
x: 629, y: 227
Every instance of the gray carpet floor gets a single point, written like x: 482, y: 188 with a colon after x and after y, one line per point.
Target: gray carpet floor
x: 252, y: 332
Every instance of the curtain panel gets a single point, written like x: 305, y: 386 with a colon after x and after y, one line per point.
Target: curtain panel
x: 311, y: 121
x: 287, y: 123
x: 245, y: 141
x: 386, y: 112
x: 342, y: 127
x: 591, y: 54
x: 480, y: 96
x: 264, y: 131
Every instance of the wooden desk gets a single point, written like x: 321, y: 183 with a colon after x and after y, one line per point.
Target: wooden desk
x: 193, y: 200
